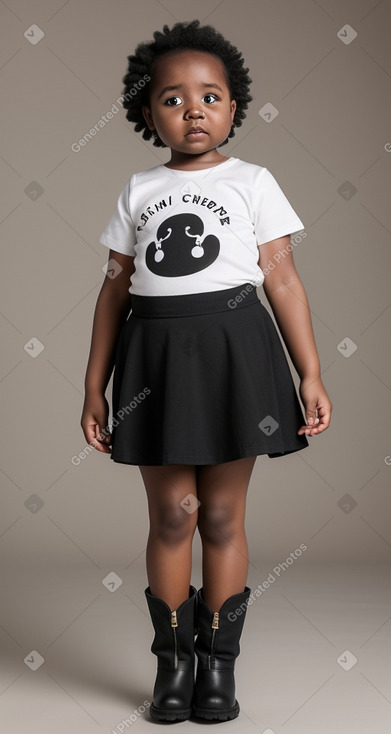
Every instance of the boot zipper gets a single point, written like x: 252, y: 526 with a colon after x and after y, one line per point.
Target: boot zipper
x: 174, y: 625
x: 215, y: 626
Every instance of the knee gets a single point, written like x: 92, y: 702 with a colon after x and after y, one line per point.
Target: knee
x: 217, y: 525
x: 173, y: 525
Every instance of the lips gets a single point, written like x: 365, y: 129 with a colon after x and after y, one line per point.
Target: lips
x: 195, y: 130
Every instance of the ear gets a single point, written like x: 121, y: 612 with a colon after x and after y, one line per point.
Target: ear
x: 233, y: 109
x: 148, y: 117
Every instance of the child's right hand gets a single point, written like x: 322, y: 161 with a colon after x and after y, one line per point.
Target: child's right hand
x: 94, y: 422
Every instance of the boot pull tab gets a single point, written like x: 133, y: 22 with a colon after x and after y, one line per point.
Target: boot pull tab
x: 215, y: 626
x: 174, y: 624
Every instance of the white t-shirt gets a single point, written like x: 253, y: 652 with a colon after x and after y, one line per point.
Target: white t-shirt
x: 198, y: 231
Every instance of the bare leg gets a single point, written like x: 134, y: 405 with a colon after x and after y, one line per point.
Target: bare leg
x: 222, y: 492
x: 171, y: 532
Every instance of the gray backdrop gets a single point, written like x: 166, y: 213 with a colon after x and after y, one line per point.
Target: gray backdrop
x: 324, y: 69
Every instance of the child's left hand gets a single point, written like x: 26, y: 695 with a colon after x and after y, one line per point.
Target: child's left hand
x: 317, y: 404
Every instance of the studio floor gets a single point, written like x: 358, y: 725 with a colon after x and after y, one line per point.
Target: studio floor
x: 315, y: 652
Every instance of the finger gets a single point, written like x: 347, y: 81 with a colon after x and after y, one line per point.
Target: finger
x: 104, y: 448
x: 306, y: 430
x: 324, y: 422
x: 102, y: 440
x: 90, y: 432
x: 311, y: 414
x: 314, y: 430
x: 104, y: 436
x: 325, y: 417
x: 312, y: 421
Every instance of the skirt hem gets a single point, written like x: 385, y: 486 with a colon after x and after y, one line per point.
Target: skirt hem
x: 198, y: 460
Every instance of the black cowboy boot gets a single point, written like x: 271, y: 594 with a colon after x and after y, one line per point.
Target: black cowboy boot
x: 217, y: 647
x: 174, y: 646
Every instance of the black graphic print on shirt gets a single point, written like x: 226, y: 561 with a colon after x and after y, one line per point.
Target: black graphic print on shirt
x: 180, y: 248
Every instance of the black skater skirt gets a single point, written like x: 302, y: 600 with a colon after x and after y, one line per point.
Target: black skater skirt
x: 202, y: 379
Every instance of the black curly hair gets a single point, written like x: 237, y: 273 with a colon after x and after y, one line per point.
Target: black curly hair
x: 183, y: 35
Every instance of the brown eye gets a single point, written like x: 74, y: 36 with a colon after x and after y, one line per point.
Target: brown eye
x: 210, y: 97
x: 170, y: 102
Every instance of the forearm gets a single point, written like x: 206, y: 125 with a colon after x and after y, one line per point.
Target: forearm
x: 110, y: 313
x: 291, y: 309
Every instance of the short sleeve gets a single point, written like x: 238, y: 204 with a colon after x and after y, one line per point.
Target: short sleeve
x: 273, y: 214
x: 120, y: 233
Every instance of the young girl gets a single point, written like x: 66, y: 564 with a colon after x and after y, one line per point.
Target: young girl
x: 201, y: 383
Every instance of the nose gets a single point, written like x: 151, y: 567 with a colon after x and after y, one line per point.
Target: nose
x: 194, y: 113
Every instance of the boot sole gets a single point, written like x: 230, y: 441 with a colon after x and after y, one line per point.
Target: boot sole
x: 166, y: 715
x: 220, y: 714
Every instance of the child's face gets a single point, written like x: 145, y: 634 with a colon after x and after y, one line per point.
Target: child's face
x: 189, y: 90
